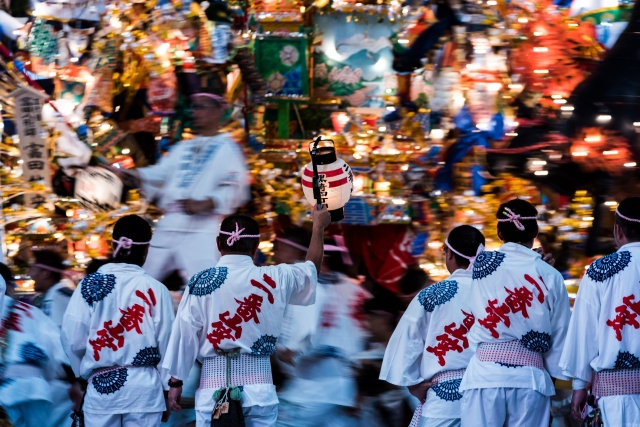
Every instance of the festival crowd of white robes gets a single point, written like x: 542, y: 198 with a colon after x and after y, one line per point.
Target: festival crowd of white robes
x: 604, y: 332
x: 32, y: 358
x: 515, y: 297
x: 56, y: 300
x: 198, y: 169
x: 431, y: 338
x: 236, y: 305
x: 326, y: 336
x: 119, y: 317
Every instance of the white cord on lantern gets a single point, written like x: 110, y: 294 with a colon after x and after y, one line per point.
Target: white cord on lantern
x: 515, y: 218
x: 470, y: 258
x: 125, y: 243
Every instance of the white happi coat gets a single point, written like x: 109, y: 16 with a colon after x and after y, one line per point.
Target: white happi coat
x: 604, y: 332
x: 200, y: 168
x: 120, y: 316
x: 515, y: 295
x: 32, y: 349
x: 236, y: 305
x: 56, y: 300
x: 329, y: 334
x: 430, y: 338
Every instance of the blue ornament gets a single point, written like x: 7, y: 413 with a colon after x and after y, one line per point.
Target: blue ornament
x: 110, y: 382
x: 31, y: 354
x: 437, y: 294
x: 95, y: 287
x: 448, y: 390
x: 487, y: 263
x: 540, y: 342
x: 149, y: 356
x: 626, y: 360
x: 608, y: 266
x: 207, y: 281
x: 264, y: 346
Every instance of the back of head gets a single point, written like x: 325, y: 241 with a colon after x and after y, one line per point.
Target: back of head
x: 333, y: 257
x: 51, y: 259
x: 131, y: 237
x: 517, y: 221
x: 239, y: 234
x: 465, y: 239
x: 628, y: 218
x: 291, y: 245
x: 95, y: 265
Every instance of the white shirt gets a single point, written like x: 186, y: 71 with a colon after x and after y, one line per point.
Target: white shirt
x: 430, y: 338
x: 236, y: 305
x: 31, y: 343
x: 604, y: 332
x: 531, y: 294
x: 120, y: 316
x: 201, y: 168
x: 56, y: 300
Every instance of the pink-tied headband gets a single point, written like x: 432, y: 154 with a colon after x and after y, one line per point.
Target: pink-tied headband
x: 234, y: 236
x: 125, y: 243
x: 52, y: 269
x: 341, y: 247
x: 626, y: 217
x: 223, y: 102
x: 470, y: 258
x: 515, y: 218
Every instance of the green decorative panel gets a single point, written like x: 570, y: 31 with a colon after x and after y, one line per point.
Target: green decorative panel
x: 283, y: 64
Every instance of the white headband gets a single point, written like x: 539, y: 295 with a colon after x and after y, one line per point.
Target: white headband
x: 470, y: 258
x: 515, y: 218
x: 125, y: 243
x: 626, y: 217
x: 234, y: 236
x: 341, y: 247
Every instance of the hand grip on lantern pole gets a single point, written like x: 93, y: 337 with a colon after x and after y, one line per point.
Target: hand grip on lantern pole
x: 316, y: 178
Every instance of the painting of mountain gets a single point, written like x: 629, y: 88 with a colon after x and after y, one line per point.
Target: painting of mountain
x: 354, y: 61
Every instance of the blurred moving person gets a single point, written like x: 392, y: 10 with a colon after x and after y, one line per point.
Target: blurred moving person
x: 116, y: 332
x: 47, y: 271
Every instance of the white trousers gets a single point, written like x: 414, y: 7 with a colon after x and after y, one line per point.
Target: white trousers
x: 439, y: 422
x: 31, y: 414
x: 188, y: 252
x: 620, y: 410
x: 505, y: 407
x: 254, y: 416
x: 136, y: 419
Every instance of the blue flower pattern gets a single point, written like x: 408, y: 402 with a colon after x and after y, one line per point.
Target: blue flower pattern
x: 264, y: 346
x: 207, y: 281
x: 448, y: 390
x: 608, y: 266
x: 486, y: 264
x: 626, y: 360
x: 149, y: 356
x: 437, y: 294
x: 31, y: 354
x: 540, y: 342
x: 110, y: 382
x: 293, y: 82
x: 95, y: 287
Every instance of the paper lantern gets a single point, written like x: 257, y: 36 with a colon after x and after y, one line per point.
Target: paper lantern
x: 98, y: 189
x: 335, y: 180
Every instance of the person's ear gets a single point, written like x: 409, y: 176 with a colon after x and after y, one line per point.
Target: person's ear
x: 255, y: 249
x: 500, y: 236
x: 218, y: 244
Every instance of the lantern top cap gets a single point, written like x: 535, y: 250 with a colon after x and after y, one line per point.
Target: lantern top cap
x: 323, y: 155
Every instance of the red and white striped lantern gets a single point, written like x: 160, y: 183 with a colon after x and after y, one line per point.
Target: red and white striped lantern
x: 336, y: 182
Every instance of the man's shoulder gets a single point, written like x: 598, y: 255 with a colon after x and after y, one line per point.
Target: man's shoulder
x: 207, y: 281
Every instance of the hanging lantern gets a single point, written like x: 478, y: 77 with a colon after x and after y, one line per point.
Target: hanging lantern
x: 327, y: 180
x: 98, y: 189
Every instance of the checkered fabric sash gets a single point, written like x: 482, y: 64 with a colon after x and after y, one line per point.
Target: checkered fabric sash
x: 616, y: 382
x: 510, y: 353
x: 246, y: 369
x: 437, y: 378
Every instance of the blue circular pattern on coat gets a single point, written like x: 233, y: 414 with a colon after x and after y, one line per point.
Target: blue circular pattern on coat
x: 149, y: 356
x: 487, y: 263
x: 626, y: 360
x: 207, y: 281
x: 95, y: 287
x: 540, y: 342
x: 437, y: 294
x: 264, y: 346
x: 110, y: 382
x: 448, y: 390
x: 31, y: 354
x: 608, y: 266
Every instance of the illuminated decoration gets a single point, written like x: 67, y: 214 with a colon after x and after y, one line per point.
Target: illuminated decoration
x: 98, y: 189
x: 327, y: 180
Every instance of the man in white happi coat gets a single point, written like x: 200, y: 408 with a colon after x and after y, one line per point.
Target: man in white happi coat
x: 116, y: 332
x: 429, y: 350
x: 230, y: 320
x: 602, y: 348
x: 521, y: 310
x: 198, y: 183
x: 47, y: 272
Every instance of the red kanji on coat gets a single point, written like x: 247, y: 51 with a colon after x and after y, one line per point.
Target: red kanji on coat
x: 328, y: 318
x: 445, y: 344
x: 624, y: 317
x: 104, y: 340
x: 132, y: 318
x: 151, y: 301
x: 226, y: 328
x: 496, y: 314
x: 519, y: 299
x: 116, y: 332
x: 249, y: 308
x: 263, y: 288
x: 538, y: 287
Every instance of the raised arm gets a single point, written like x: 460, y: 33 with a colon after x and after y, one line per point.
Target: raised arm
x: 321, y: 219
